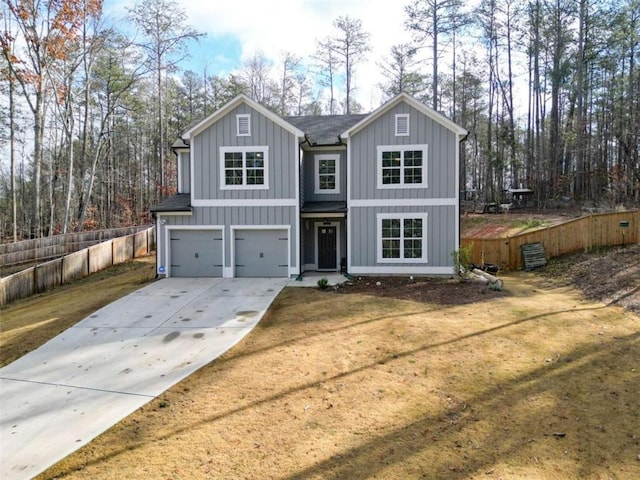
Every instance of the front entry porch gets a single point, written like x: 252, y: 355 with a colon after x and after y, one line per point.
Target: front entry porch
x: 324, y: 242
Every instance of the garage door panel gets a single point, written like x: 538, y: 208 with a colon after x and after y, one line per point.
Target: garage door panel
x: 261, y: 253
x: 196, y: 253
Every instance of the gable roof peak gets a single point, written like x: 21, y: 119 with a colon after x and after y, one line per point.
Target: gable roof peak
x: 421, y: 107
x: 229, y: 106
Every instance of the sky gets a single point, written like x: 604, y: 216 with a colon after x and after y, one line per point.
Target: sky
x: 236, y: 30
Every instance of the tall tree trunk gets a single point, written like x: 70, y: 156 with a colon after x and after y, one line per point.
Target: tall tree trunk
x: 579, y: 186
x: 38, y: 130
x: 434, y: 81
x: 12, y: 156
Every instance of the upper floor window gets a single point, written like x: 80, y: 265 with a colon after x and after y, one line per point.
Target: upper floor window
x: 244, y: 168
x: 327, y: 174
x: 243, y: 125
x: 402, y: 125
x: 402, y: 238
x: 402, y: 166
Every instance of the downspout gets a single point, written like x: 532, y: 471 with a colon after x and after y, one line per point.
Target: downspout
x: 462, y: 139
x: 300, y: 201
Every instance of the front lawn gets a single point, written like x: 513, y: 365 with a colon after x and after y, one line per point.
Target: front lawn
x: 536, y: 382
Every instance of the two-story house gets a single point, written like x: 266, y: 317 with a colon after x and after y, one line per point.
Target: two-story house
x: 265, y: 196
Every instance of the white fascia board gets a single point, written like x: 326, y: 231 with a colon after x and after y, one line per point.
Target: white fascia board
x: 421, y: 107
x: 409, y: 270
x: 174, y: 214
x: 267, y: 202
x: 405, y: 202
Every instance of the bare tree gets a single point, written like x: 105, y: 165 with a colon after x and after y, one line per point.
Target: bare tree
x: 289, y: 67
x: 350, y: 44
x: 327, y: 63
x: 435, y: 20
x: 401, y: 72
x: 163, y: 23
x: 46, y: 30
x: 256, y: 74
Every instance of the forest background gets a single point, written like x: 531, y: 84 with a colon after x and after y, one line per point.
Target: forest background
x: 549, y: 91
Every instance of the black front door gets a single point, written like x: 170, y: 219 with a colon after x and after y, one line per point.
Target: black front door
x: 327, y: 254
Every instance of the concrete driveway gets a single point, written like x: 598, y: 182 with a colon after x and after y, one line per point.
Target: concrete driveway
x: 59, y: 397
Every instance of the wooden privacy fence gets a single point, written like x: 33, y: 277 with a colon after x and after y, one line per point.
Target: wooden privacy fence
x: 76, y: 265
x: 45, y: 248
x: 584, y: 233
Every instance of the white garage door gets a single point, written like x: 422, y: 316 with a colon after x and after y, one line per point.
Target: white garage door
x: 196, y: 253
x: 261, y: 253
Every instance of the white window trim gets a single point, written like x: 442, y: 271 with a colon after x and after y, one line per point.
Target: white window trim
x: 239, y: 117
x: 318, y: 159
x: 402, y: 148
x: 401, y: 217
x: 244, y: 186
x: 398, y: 117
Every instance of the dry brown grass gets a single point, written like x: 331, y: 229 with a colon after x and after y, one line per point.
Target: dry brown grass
x: 539, y: 384
x: 27, y: 324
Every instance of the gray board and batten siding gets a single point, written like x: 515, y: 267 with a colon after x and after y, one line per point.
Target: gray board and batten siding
x: 440, y: 232
x: 184, y: 172
x: 436, y: 202
x: 259, y: 221
x: 221, y: 219
x: 281, y: 162
x: 440, y: 163
x: 309, y: 175
x: 272, y: 229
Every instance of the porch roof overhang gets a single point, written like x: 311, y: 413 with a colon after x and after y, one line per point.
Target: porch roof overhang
x: 180, y: 202
x: 324, y: 207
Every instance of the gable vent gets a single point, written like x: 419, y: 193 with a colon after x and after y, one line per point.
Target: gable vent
x: 402, y: 125
x: 244, y: 125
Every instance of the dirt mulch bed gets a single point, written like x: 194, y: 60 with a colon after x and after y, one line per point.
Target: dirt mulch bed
x: 611, y: 276
x: 441, y: 291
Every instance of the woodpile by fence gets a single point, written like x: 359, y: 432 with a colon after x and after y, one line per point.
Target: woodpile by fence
x: 46, y: 248
x: 76, y: 265
x: 581, y: 234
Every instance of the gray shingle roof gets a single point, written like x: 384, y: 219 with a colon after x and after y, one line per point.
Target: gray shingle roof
x: 325, y: 129
x: 180, y: 202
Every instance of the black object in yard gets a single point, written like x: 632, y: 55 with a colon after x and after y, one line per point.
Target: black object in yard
x: 491, y: 268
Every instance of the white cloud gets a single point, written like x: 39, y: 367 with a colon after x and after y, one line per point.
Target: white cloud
x: 294, y: 26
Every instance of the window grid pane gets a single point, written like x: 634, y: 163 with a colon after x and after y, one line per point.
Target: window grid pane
x: 402, y: 238
x: 404, y: 167
x: 391, y: 238
x: 244, y: 168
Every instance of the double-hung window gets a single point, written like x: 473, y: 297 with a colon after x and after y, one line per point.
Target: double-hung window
x: 402, y: 166
x: 244, y: 168
x: 327, y: 174
x: 402, y: 238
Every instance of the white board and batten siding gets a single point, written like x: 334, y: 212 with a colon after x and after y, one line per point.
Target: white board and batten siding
x: 436, y: 201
